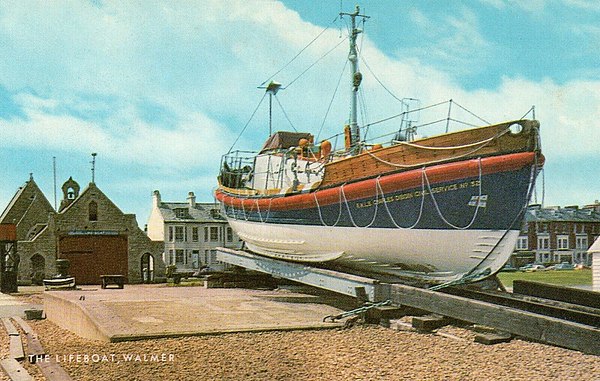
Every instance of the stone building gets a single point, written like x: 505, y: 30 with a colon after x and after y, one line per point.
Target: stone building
x: 191, y: 232
x: 555, y: 234
x: 88, y: 229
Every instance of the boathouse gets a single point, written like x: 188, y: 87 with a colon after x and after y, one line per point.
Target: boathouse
x: 88, y: 229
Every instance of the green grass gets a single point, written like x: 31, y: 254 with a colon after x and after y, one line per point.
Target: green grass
x: 562, y: 278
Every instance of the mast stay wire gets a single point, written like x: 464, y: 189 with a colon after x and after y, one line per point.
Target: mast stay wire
x: 285, y: 113
x: 314, y: 63
x: 300, y: 52
x: 248, y: 122
x: 332, y: 98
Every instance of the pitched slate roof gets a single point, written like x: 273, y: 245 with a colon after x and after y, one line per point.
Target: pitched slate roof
x: 566, y: 214
x: 202, y: 212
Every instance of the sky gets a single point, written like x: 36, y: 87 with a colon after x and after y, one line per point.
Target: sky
x: 161, y: 89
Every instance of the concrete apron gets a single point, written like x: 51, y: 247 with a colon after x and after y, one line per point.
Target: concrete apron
x: 149, y: 311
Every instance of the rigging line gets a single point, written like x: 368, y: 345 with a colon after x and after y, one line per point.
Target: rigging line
x: 248, y: 122
x: 379, y: 81
x: 285, y: 113
x: 532, y: 109
x: 518, y: 216
x: 406, y: 112
x: 314, y: 63
x: 472, y: 114
x: 332, y: 98
x: 301, y: 50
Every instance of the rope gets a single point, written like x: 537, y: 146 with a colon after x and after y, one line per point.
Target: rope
x: 420, y: 210
x: 319, y: 210
x: 482, y: 144
x: 438, y: 208
x: 350, y: 213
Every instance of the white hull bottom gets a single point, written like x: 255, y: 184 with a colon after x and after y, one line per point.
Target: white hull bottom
x: 441, y: 255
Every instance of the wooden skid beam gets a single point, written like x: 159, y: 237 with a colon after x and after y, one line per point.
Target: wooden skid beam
x: 522, y: 323
x: 16, y: 348
x: 53, y: 371
x: 559, y: 293
x: 14, y: 370
x: 10, y: 327
x: 23, y: 324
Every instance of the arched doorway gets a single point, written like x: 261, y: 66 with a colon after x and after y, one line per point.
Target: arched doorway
x: 147, y: 268
x: 38, y: 269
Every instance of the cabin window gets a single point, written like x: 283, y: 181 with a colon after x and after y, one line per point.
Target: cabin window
x: 93, y: 211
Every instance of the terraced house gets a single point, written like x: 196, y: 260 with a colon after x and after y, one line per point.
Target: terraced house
x: 558, y: 234
x: 191, y: 232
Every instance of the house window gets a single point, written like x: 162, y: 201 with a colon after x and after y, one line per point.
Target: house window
x: 214, y: 233
x: 170, y: 234
x: 543, y: 243
x: 181, y: 213
x: 93, y: 211
x: 179, y: 233
x: 562, y: 242
x: 205, y: 234
x: 229, y: 234
x: 523, y: 243
x: 581, y: 242
x: 194, y: 234
x: 179, y: 255
x: 171, y: 259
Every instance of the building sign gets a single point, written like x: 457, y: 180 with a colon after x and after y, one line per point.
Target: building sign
x: 93, y: 232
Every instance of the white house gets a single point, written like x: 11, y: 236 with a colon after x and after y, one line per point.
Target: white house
x: 191, y: 232
x: 594, y: 250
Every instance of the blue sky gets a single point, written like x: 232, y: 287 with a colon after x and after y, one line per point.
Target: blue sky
x: 161, y: 89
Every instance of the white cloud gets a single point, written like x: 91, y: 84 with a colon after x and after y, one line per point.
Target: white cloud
x: 80, y: 74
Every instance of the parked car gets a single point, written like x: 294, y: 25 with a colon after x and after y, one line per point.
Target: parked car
x: 508, y: 268
x: 564, y: 266
x: 531, y: 267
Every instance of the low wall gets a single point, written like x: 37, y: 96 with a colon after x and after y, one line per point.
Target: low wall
x: 70, y: 315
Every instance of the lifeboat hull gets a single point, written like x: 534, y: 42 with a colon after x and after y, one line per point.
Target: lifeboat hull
x: 442, y: 222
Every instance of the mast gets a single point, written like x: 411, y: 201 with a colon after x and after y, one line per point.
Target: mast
x: 356, y: 78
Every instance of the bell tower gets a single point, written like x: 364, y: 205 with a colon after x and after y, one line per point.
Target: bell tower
x: 70, y: 191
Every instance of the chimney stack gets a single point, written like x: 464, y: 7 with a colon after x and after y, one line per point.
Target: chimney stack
x: 191, y: 199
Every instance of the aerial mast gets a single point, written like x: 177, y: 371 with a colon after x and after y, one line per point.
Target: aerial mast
x: 356, y: 80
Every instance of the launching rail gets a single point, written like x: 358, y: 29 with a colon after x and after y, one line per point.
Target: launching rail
x: 338, y: 282
x: 581, y: 335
